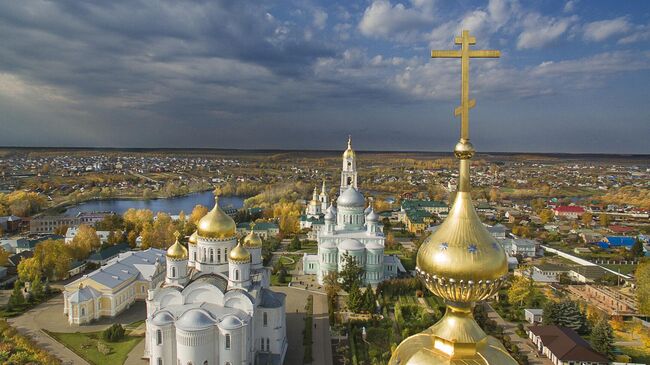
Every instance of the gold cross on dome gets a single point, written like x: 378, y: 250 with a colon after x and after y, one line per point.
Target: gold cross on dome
x: 465, y: 40
x: 177, y: 234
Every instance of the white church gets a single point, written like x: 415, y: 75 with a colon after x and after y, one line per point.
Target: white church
x: 349, y: 228
x: 215, y: 306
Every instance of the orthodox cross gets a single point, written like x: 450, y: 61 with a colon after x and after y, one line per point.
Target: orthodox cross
x: 177, y: 234
x: 465, y: 40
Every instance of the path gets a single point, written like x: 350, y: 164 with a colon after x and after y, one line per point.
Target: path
x: 524, y: 345
x: 295, y: 309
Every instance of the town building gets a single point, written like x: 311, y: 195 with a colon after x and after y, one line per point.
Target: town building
x: 315, y: 210
x: 114, y: 287
x: 71, y: 232
x: 48, y: 224
x: 214, y: 305
x: 563, y: 346
x: 498, y: 231
x: 519, y: 246
x: 569, y: 211
x: 262, y: 229
x: 10, y: 223
x: 351, y: 229
x: 608, y: 299
x: 533, y: 315
x: 548, y: 273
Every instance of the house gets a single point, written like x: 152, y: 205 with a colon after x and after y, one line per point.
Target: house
x: 111, y: 289
x: 101, y: 257
x: 619, y: 241
x: 519, y: 246
x: 262, y: 229
x: 498, y: 231
x: 30, y: 244
x: 417, y: 221
x: 563, y: 346
x: 569, y: 211
x: 548, y: 273
x: 430, y: 206
x: 587, y: 274
x: 10, y: 223
x: 533, y: 315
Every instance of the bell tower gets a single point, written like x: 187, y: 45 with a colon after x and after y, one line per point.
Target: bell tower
x: 349, y: 168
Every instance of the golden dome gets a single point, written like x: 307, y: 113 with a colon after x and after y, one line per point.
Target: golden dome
x: 177, y: 251
x: 193, y: 238
x: 349, y: 153
x: 239, y: 254
x: 216, y: 224
x: 252, y: 240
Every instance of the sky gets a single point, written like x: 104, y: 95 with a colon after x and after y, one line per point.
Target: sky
x: 574, y: 76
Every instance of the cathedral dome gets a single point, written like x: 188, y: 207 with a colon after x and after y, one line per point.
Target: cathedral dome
x: 193, y: 238
x: 239, y: 255
x: 351, y: 244
x: 372, y: 216
x: 230, y: 322
x: 351, y: 198
x: 177, y: 251
x: 162, y: 318
x: 216, y: 224
x: 252, y: 240
x: 195, y: 319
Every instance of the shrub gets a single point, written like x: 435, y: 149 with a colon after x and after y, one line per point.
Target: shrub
x: 113, y: 333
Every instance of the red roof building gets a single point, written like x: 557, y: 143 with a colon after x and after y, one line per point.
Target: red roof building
x: 563, y: 346
x: 569, y: 211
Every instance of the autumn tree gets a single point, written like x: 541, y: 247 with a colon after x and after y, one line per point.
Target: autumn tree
x: 521, y: 290
x: 587, y: 218
x: 604, y: 220
x: 28, y: 269
x: 546, y: 215
x: 4, y: 257
x: 84, y: 242
x: 642, y: 275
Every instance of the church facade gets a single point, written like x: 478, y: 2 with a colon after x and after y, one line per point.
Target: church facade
x: 215, y: 306
x: 351, y: 229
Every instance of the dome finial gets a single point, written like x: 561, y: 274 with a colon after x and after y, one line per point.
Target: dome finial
x: 349, y: 141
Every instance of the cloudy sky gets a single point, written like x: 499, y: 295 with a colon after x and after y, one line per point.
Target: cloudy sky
x: 574, y: 76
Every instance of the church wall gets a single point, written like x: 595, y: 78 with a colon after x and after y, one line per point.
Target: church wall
x: 196, y: 347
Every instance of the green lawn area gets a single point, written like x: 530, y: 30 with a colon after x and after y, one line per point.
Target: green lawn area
x: 638, y: 354
x: 85, y: 345
x: 275, y: 281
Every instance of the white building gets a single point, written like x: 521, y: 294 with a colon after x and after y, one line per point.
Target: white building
x: 315, y: 210
x: 519, y: 246
x: 351, y: 229
x: 71, y: 232
x: 215, y: 305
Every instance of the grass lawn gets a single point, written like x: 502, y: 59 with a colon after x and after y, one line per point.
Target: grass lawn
x: 85, y: 345
x: 638, y: 354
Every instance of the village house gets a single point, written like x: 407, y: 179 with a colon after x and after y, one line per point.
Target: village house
x: 563, y: 346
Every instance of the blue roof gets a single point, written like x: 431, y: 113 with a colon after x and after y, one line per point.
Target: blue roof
x: 603, y: 245
x: 620, y: 241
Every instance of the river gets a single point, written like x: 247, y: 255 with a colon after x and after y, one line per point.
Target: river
x: 168, y: 205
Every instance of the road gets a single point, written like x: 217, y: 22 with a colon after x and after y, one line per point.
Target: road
x: 524, y: 345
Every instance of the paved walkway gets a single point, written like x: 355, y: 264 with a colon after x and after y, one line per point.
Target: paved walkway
x: 49, y: 316
x: 524, y: 345
x: 295, y: 308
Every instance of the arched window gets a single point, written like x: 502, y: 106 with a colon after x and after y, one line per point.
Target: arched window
x: 205, y: 254
x: 83, y: 311
x: 211, y: 255
x: 173, y: 271
x: 265, y: 319
x: 158, y: 337
x: 218, y: 255
x: 194, y: 256
x: 262, y: 342
x: 236, y: 274
x: 227, y: 341
x: 349, y: 178
x: 349, y: 163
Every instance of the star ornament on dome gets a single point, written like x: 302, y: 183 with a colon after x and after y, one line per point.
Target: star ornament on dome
x: 444, y: 246
x: 472, y: 248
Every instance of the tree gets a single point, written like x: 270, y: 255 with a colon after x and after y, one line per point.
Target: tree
x: 604, y: 219
x: 17, y: 298
x: 637, y: 249
x: 295, y: 243
x: 602, y: 337
x: 29, y: 269
x: 351, y: 272
x: 85, y: 241
x: 587, y: 218
x: 546, y: 215
x: 36, y: 290
x: 369, y: 300
x: 494, y: 194
x: 4, y: 257
x: 521, y: 290
x: 355, y: 298
x: 566, y: 314
x: 642, y: 275
x: 114, y: 333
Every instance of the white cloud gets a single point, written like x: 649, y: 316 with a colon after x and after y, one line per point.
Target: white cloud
x: 570, y: 6
x: 381, y: 19
x: 603, y: 29
x: 320, y: 18
x: 540, y: 30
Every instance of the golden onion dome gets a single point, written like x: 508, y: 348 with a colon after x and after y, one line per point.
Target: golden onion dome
x: 177, y: 251
x: 239, y: 255
x: 216, y: 224
x: 349, y: 153
x: 193, y: 238
x: 252, y: 239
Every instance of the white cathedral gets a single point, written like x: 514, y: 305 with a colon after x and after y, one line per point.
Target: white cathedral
x: 215, y: 306
x: 349, y: 228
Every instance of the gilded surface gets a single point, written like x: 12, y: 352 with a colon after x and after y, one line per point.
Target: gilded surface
x: 216, y: 223
x: 252, y: 240
x: 461, y: 262
x: 239, y: 254
x: 177, y: 251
